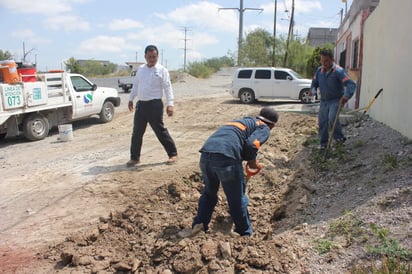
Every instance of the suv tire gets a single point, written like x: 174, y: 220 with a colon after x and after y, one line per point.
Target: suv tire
x: 304, y: 96
x: 247, y: 96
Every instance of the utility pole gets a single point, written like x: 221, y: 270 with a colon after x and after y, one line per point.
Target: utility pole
x: 290, y: 33
x: 240, y: 39
x: 274, y: 34
x: 185, y: 49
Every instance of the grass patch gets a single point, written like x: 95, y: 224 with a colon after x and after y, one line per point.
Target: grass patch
x: 379, y: 245
x: 390, y: 162
x: 350, y: 227
x: 388, y: 265
x: 323, y: 246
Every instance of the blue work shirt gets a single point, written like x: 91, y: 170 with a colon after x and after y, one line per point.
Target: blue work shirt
x: 333, y: 84
x: 239, y: 139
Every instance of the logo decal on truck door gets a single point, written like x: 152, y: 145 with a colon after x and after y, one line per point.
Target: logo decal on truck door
x: 88, y: 98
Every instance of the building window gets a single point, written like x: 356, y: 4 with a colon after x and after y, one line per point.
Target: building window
x: 355, y: 54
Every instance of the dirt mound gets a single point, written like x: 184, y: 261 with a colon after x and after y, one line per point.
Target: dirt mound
x: 291, y: 203
x: 181, y: 77
x: 76, y: 208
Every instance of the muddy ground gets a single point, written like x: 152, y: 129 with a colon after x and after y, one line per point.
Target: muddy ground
x: 74, y: 207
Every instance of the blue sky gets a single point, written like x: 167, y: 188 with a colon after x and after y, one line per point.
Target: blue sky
x: 54, y: 30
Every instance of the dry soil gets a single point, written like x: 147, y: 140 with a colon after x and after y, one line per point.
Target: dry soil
x: 74, y: 207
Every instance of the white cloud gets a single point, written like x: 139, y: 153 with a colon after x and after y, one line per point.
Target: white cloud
x: 104, y: 44
x: 304, y: 6
x: 37, y: 6
x: 301, y: 7
x: 170, y: 35
x: 204, y: 15
x: 122, y: 24
x: 166, y: 34
x: 66, y: 22
x: 193, y: 55
x: 29, y: 36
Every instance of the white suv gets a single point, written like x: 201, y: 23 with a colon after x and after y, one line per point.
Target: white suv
x: 250, y: 84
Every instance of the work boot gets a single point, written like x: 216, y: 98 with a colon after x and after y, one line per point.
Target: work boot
x: 340, y: 142
x: 197, y: 228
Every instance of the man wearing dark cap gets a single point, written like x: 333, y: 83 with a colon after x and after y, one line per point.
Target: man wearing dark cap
x: 221, y: 162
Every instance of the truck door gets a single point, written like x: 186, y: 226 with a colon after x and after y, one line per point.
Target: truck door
x: 83, y: 97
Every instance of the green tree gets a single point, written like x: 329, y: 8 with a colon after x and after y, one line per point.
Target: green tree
x: 96, y: 68
x: 299, y: 54
x: 5, y: 55
x: 256, y: 50
x: 90, y: 68
x: 199, y: 69
x: 73, y: 66
x: 206, y: 68
x: 313, y: 62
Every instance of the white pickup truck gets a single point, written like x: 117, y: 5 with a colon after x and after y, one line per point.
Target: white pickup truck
x: 126, y: 83
x: 56, y: 98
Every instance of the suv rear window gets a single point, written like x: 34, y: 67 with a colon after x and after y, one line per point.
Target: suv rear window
x: 262, y: 74
x: 244, y: 74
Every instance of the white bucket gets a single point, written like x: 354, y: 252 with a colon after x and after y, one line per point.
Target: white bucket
x: 66, y: 132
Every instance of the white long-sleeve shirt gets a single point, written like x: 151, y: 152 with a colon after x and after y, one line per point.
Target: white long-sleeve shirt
x: 150, y: 83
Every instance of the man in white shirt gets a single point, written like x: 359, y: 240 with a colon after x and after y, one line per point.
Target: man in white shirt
x: 151, y: 80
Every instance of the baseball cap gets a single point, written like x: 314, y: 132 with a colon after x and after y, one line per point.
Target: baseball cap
x: 268, y: 115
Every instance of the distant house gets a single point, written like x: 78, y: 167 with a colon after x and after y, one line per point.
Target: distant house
x: 321, y: 36
x: 349, y: 43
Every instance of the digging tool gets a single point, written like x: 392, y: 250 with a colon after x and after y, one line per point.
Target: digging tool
x: 250, y: 173
x: 335, y: 122
x: 365, y: 109
x: 370, y: 103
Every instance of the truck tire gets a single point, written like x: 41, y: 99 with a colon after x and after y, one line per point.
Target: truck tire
x: 247, y: 96
x: 35, y: 127
x: 107, y: 112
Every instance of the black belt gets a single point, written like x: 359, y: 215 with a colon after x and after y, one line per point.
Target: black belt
x: 149, y: 101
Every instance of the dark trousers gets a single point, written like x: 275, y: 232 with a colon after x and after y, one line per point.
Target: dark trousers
x: 218, y: 169
x: 150, y: 112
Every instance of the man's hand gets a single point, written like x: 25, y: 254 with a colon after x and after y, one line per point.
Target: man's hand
x: 254, y: 164
x: 343, y: 100
x: 252, y: 168
x: 312, y: 92
x: 130, y: 106
x: 169, y: 111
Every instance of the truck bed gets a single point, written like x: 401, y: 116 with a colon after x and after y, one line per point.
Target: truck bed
x: 26, y: 97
